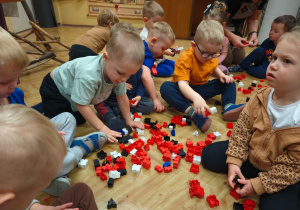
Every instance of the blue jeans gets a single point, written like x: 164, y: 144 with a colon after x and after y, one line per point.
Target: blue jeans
x: 213, y: 158
x: 171, y: 94
x: 258, y: 57
x: 166, y: 68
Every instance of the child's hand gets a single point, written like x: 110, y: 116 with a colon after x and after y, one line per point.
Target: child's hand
x: 247, y: 189
x: 177, y: 51
x: 200, y: 106
x: 62, y: 134
x: 169, y: 52
x: 234, y: 170
x: 154, y: 64
x: 136, y: 101
x: 158, y: 106
x: 135, y: 124
x: 226, y: 79
x: 128, y: 86
x: 111, y: 135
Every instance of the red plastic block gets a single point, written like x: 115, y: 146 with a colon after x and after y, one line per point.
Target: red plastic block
x: 146, y: 164
x: 194, y: 168
x: 252, y: 88
x: 103, y: 177
x: 239, y: 89
x: 234, y: 194
x: 196, y: 189
x: 206, y: 113
x: 212, y: 136
x: 201, y: 144
x: 188, y: 143
x: 229, y: 133
x: 131, y: 101
x: 167, y: 156
x: 164, y: 133
x: 135, y: 135
x: 122, y: 146
x: 246, y: 91
x: 229, y: 125
x: 259, y: 86
x: 212, y: 201
x: 261, y: 80
x: 182, y: 124
x: 158, y: 168
x: 243, y: 76
x: 136, y: 115
x: 167, y: 169
x: 249, y: 204
x: 159, y: 126
x: 146, y: 126
x: 154, y: 72
x: 165, y: 124
x: 109, y: 159
x: 208, y: 141
x: 146, y: 147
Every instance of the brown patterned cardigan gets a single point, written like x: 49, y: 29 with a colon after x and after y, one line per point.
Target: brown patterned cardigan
x: 276, y: 153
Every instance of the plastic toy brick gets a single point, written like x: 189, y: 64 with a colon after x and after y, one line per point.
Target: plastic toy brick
x: 243, y: 76
x: 213, y: 110
x: 248, y: 204
x: 239, y: 89
x: 103, y: 177
x: 122, y: 146
x: 251, y: 88
x: 147, y: 126
x: 122, y: 171
x: 246, y: 91
x: 125, y: 139
x: 158, y: 168
x: 111, y: 204
x: 196, y: 189
x: 147, y: 147
x: 166, y: 164
x: 261, y: 80
x: 166, y: 156
x: 241, y: 84
x: 136, y: 168
x: 194, y: 168
x: 197, y: 159
x: 83, y: 163
x: 135, y: 135
x: 154, y: 71
x: 131, y: 101
x: 124, y: 153
x: 212, y: 201
x: 182, y: 124
x: 174, y: 141
x: 96, y: 163
x: 237, y: 184
x: 98, y: 171
x: 164, y: 133
x: 201, y: 144
x: 188, y: 143
x: 114, y: 174
x: 180, y: 146
x: 247, y: 99
x: 146, y: 164
x: 229, y: 133
x: 182, y: 153
x: 189, y: 121
x: 212, y: 136
x: 238, y: 206
x: 206, y: 113
x: 159, y: 126
x: 259, y: 86
x: 110, y: 182
x: 208, y: 141
x: 173, y: 133
x: 217, y: 134
x: 229, y: 125
x: 234, y: 194
x: 165, y: 124
x: 167, y: 169
x: 136, y: 115
x: 189, y: 157
x: 109, y: 159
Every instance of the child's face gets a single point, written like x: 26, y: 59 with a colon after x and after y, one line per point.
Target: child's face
x: 150, y: 21
x: 8, y: 81
x: 277, y: 29
x: 118, y: 70
x: 205, y: 51
x: 158, y: 46
x: 283, y: 72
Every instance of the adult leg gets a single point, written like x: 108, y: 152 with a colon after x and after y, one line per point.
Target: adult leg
x: 238, y: 55
x: 144, y: 106
x: 288, y: 198
x: 166, y: 68
x: 80, y: 195
x: 54, y: 102
x: 259, y: 70
x: 229, y: 58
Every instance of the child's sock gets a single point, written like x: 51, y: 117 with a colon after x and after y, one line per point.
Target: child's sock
x: 191, y: 112
x: 236, y: 68
x: 202, y: 122
x: 227, y: 106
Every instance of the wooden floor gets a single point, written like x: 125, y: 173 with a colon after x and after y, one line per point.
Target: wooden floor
x: 148, y: 190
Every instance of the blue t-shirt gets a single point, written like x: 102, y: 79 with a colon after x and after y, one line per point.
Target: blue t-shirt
x: 269, y: 47
x: 17, y: 97
x: 149, y: 58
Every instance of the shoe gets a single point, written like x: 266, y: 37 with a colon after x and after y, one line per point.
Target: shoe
x: 236, y: 68
x: 232, y: 113
x: 202, y: 122
x: 97, y: 138
x: 58, y: 186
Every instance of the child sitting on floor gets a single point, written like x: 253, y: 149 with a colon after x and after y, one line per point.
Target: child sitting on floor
x: 95, y: 39
x: 265, y: 143
x: 257, y: 61
x: 190, y: 82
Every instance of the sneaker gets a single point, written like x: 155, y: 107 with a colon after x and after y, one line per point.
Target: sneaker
x: 236, y: 68
x: 202, y: 122
x: 97, y: 138
x: 232, y: 113
x: 58, y: 186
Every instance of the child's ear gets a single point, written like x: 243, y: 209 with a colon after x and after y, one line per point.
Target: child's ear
x: 153, y: 40
x: 110, y: 25
x: 6, y: 196
x: 145, y: 19
x: 105, y: 57
x: 193, y: 44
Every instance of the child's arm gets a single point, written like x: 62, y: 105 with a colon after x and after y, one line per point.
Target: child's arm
x: 123, y: 102
x: 150, y: 87
x: 199, y: 103
x: 88, y: 113
x: 222, y: 77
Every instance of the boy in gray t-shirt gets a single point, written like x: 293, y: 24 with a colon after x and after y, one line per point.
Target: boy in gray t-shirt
x: 75, y: 85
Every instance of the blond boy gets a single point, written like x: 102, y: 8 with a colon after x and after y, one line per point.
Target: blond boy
x: 160, y: 38
x: 95, y: 39
x: 75, y: 85
x: 190, y: 81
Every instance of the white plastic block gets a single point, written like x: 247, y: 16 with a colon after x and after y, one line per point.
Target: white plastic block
x: 254, y: 81
x: 173, y: 156
x: 83, y: 163
x: 130, y: 141
x: 140, y: 113
x: 136, y: 169
x: 217, y: 134
x: 183, y: 119
x: 196, y: 133
x: 241, y: 84
x: 137, y: 119
x: 125, y: 131
x: 170, y: 128
x: 231, y: 75
x: 197, y: 159
x: 115, y: 154
x: 132, y: 152
x: 140, y: 131
x: 179, y: 49
x: 114, y: 174
x: 143, y: 139
x: 213, y: 110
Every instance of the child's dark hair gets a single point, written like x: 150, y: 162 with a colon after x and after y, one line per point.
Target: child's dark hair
x: 289, y: 22
x: 218, y: 12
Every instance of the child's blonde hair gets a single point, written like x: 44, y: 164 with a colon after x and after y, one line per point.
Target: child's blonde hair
x: 152, y: 9
x: 293, y: 36
x: 121, y: 26
x: 210, y: 31
x: 218, y: 12
x: 162, y: 30
x: 29, y: 145
x: 126, y: 44
x: 11, y: 53
x: 106, y: 16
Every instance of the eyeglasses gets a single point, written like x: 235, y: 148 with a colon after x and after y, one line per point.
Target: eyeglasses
x: 206, y: 54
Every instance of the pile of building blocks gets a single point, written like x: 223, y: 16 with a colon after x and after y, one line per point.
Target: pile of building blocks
x: 196, y: 189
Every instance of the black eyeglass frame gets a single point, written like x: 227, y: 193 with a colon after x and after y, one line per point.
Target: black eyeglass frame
x: 214, y: 55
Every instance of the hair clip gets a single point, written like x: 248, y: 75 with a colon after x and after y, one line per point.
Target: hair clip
x: 217, y: 6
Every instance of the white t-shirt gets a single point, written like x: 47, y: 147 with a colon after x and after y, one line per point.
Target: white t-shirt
x: 286, y: 116
x: 144, y: 33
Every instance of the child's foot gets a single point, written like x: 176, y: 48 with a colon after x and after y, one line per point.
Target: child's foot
x: 116, y: 124
x: 90, y: 142
x: 201, y: 122
x: 232, y: 113
x: 236, y: 68
x: 58, y: 186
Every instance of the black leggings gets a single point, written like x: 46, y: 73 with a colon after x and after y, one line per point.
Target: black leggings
x: 214, y: 159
